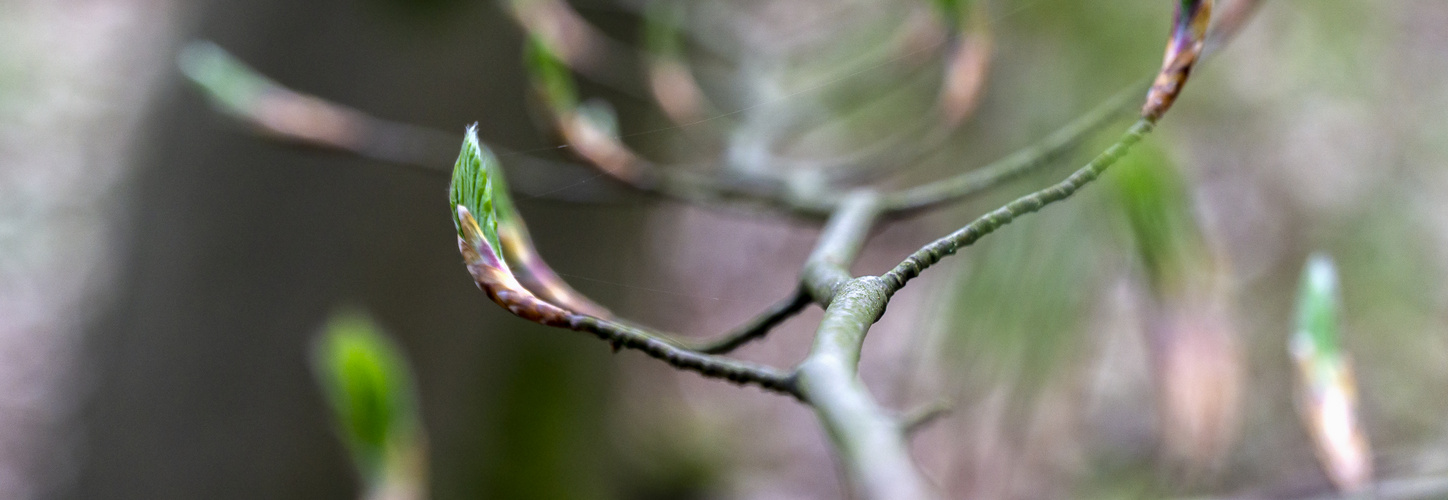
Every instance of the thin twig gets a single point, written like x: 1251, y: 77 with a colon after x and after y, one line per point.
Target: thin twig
x: 1018, y: 163
x: 741, y: 372
x: 282, y: 114
x: 939, y: 249
x: 759, y: 326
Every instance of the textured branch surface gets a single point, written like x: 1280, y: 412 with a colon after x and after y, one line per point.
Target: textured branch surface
x: 828, y: 267
x: 869, y: 441
x: 740, y: 372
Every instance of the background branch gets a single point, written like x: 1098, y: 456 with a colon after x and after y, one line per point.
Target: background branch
x: 283, y: 114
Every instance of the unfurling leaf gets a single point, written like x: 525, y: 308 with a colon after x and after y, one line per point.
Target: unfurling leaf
x: 472, y: 193
x: 1189, y: 31
x: 523, y: 259
x: 1327, y: 388
x: 370, y: 390
x: 494, y: 241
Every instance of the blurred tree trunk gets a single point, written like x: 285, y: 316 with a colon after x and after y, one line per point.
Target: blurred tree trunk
x: 76, y: 78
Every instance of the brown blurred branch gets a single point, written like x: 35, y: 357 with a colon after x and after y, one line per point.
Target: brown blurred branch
x: 282, y: 114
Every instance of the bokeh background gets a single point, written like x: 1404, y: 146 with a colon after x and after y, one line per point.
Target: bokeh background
x: 164, y: 270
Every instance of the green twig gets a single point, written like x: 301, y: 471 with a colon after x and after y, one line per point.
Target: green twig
x: 1021, y: 162
x: 939, y: 249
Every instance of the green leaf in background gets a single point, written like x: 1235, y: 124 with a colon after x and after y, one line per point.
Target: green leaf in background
x: 1154, y: 196
x: 477, y: 187
x: 235, y: 87
x: 370, y: 390
x: 661, y: 29
x: 1327, y: 387
x: 550, y: 76
x: 1317, y: 310
x: 954, y: 12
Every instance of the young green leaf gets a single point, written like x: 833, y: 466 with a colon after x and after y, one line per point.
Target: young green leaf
x: 1196, y: 359
x: 493, y: 239
x: 661, y: 29
x: 370, y: 390
x: 476, y: 188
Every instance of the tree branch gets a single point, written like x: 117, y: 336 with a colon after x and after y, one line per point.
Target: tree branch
x: 1017, y: 164
x: 759, y: 326
x: 869, y: 441
x: 828, y: 267
x: 286, y: 115
x: 1411, y: 488
x: 939, y: 249
x: 740, y: 372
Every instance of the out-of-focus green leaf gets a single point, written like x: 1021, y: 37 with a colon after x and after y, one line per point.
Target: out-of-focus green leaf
x: 230, y: 83
x: 477, y: 186
x: 370, y: 390
x: 1317, y: 310
x: 1188, y: 321
x: 1154, y: 197
x: 661, y: 29
x: 550, y: 76
x: 1022, y: 301
x: 1327, y: 397
x: 954, y: 12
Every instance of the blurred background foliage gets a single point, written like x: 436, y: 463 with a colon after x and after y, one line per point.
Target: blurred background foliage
x: 165, y: 271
